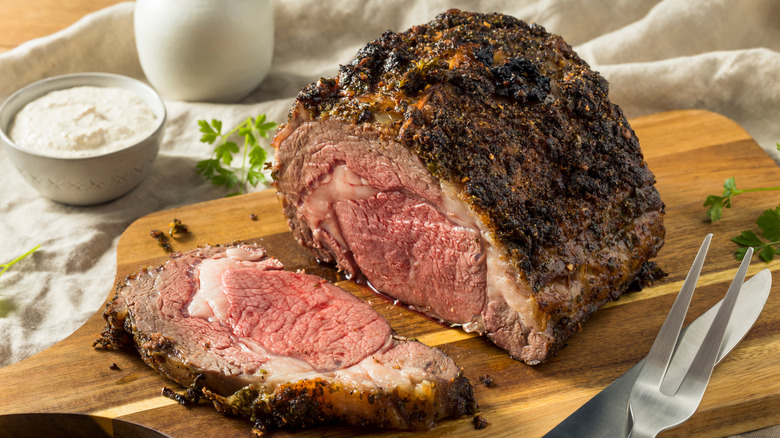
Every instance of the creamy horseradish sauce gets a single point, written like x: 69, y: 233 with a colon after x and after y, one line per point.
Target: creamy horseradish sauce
x: 82, y: 122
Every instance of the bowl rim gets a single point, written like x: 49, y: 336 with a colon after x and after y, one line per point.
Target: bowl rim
x: 71, y: 80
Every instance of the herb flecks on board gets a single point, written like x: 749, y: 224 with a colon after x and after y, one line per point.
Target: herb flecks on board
x: 220, y: 169
x: 162, y: 240
x: 176, y: 227
x: 764, y: 245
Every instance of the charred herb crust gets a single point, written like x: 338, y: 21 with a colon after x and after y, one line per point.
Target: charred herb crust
x: 313, y: 402
x: 114, y: 336
x: 512, y: 115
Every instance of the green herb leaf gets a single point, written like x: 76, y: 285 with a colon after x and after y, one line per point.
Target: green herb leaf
x: 225, y: 177
x: 217, y: 125
x: 716, y: 207
x: 209, y: 134
x: 257, y: 155
x: 730, y: 188
x: 747, y: 238
x: 767, y: 254
x: 765, y: 246
x: 225, y: 151
x: 717, y: 203
x: 254, y: 176
x: 207, y: 168
x: 769, y: 223
x: 219, y: 169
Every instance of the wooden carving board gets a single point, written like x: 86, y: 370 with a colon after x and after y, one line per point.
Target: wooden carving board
x: 691, y: 154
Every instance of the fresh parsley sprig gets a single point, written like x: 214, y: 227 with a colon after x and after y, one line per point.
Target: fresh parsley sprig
x: 717, y: 203
x: 219, y: 169
x: 5, y: 266
x: 767, y: 244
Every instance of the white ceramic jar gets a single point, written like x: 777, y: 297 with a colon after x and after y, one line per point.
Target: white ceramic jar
x: 205, y: 50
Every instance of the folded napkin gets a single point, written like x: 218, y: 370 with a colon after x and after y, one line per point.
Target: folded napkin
x: 722, y: 56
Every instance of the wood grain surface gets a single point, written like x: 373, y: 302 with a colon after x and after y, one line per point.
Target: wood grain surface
x: 691, y: 154
x: 23, y: 20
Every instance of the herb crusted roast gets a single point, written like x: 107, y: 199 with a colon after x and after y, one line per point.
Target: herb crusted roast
x: 474, y: 169
x: 285, y: 349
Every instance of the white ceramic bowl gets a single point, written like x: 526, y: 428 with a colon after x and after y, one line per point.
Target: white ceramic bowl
x: 83, y: 180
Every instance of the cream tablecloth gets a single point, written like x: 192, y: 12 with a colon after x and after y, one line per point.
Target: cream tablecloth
x: 719, y: 55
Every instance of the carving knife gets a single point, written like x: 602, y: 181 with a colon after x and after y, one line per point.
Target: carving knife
x: 605, y: 415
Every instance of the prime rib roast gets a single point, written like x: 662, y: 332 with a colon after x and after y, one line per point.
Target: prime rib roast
x: 285, y: 349
x: 474, y: 169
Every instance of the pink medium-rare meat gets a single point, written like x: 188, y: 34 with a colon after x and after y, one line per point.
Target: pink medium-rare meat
x: 387, y: 243
x: 473, y: 168
x: 284, y: 348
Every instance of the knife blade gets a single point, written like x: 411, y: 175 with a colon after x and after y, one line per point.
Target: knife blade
x: 605, y: 415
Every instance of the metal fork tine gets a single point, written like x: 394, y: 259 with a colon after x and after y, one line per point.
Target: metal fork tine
x: 698, y: 375
x: 661, y: 352
x: 654, y: 408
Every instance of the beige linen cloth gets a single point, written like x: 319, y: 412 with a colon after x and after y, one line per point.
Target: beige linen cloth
x: 719, y: 55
